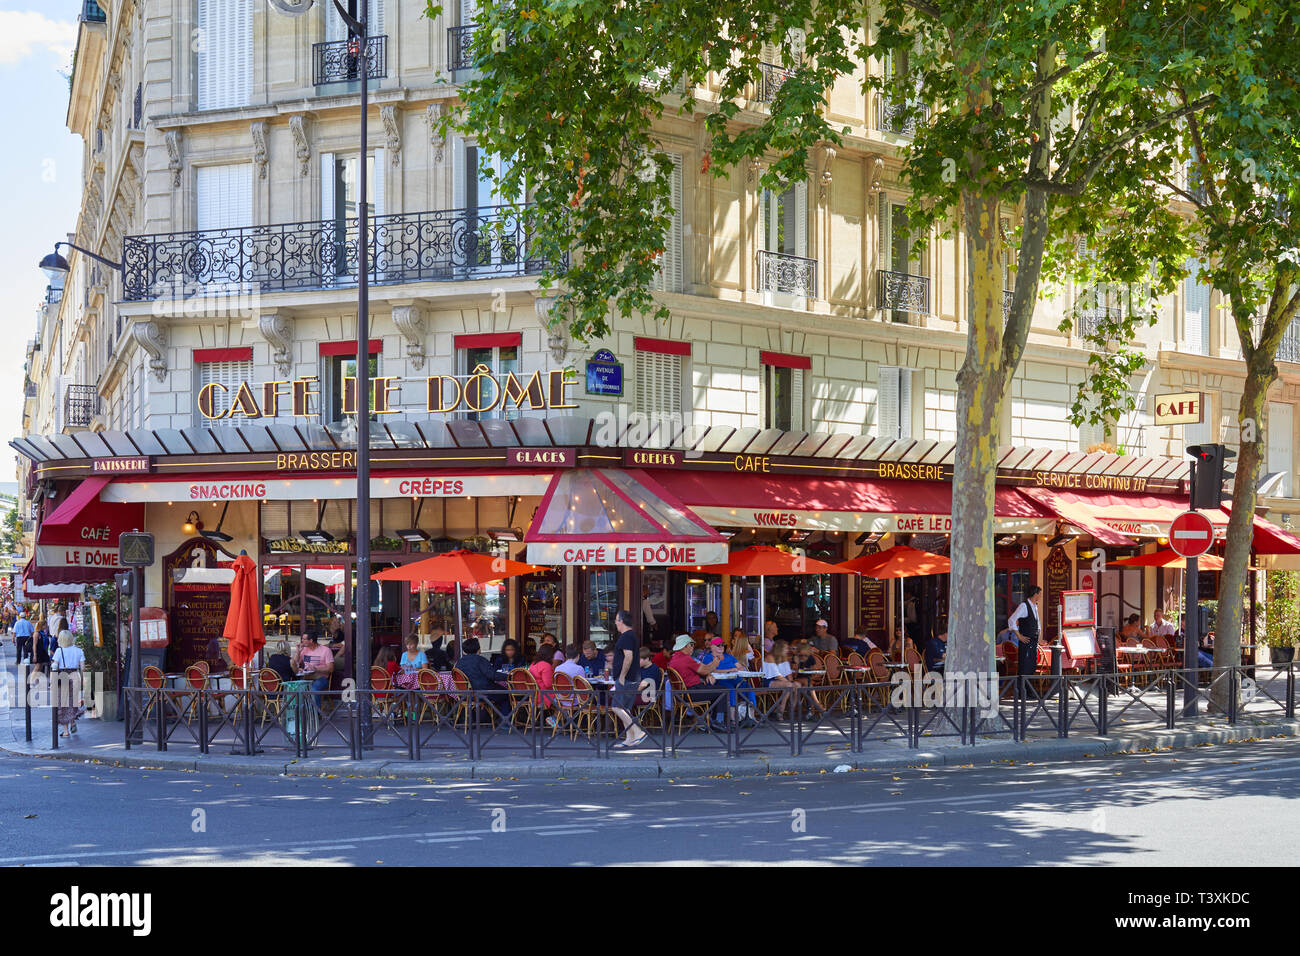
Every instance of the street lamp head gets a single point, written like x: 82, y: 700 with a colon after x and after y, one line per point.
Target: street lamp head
x: 54, y: 265
x: 292, y: 8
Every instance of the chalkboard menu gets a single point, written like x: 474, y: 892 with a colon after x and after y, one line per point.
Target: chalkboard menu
x: 872, y: 605
x: 198, y: 616
x: 541, y: 594
x: 1059, y: 572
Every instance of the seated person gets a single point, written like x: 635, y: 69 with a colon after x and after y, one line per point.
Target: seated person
x: 935, y: 650
x: 1132, y: 629
x: 1205, y: 651
x: 692, y: 672
x: 591, y: 660
x: 803, y: 659
x: 571, y: 665
x: 316, y: 660
x: 280, y: 663
x: 859, y: 642
x: 511, y: 657
x: 777, y: 672
x: 650, y: 670
x: 543, y: 671
x: 387, y: 660
x: 412, y: 662
x: 476, y: 669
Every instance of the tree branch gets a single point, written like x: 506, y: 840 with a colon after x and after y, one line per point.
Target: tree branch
x: 1085, y: 123
x: 931, y: 10
x: 1051, y: 78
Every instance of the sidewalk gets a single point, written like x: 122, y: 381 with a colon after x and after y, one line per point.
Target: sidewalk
x: 102, y: 742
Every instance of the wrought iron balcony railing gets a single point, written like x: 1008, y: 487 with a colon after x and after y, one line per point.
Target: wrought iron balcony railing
x: 53, y: 296
x: 137, y: 111
x: 1288, y: 348
x: 1008, y: 295
x: 80, y: 405
x: 793, y: 275
x: 29, y: 390
x: 771, y: 78
x: 92, y: 12
x: 446, y: 245
x: 902, y: 292
x: 899, y: 116
x: 460, y: 56
x: 339, y: 61
x: 1088, y: 321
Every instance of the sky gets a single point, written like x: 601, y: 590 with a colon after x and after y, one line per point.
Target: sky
x: 40, y: 168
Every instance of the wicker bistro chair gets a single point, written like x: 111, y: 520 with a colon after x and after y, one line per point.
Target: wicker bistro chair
x: 879, y: 675
x: 231, y: 702
x: 834, y: 675
x: 153, y: 679
x: 196, y: 679
x: 525, y: 698
x: 462, y: 707
x: 381, y: 685
x: 684, y: 704
x: 575, y: 706
x: 855, y: 659
x: 272, y: 694
x: 431, y: 695
x: 650, y: 714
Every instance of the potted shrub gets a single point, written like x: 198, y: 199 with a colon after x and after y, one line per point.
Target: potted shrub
x: 1281, y: 614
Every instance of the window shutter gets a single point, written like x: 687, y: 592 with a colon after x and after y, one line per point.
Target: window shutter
x: 801, y: 219
x: 671, y: 275
x: 379, y: 240
x: 229, y: 374
x: 334, y: 28
x: 765, y: 240
x: 225, y: 64
x: 887, y: 402
x: 327, y: 187
x: 223, y: 196
x: 468, y: 12
x: 658, y: 383
x: 375, y: 18
x: 886, y: 233
x: 462, y: 174
x: 1090, y: 435
x: 904, y: 403
x: 1196, y: 310
x: 796, y: 400
x: 1279, y: 443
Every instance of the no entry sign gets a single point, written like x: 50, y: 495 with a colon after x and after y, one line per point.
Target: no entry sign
x: 1191, y: 534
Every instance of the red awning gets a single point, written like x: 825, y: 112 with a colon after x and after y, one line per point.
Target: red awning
x: 1076, y: 514
x: 82, y: 495
x: 57, y: 582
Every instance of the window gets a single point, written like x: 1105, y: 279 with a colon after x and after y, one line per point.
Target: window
x: 340, y: 193
x: 224, y: 53
x: 671, y: 277
x: 340, y: 379
x: 1279, y: 445
x: 223, y: 197
x: 894, y: 409
x: 904, y: 287
x: 784, y: 218
x: 659, y: 380
x: 335, y: 29
x: 1196, y: 311
x: 900, y: 105
x: 783, y: 390
x: 493, y: 238
x: 230, y: 374
x: 497, y: 359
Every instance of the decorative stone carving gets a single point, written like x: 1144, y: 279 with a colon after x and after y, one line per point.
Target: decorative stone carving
x: 260, y: 154
x: 753, y: 170
x: 828, y: 158
x: 301, y: 147
x: 433, y: 116
x: 875, y: 173
x: 172, y: 139
x: 409, y: 320
x: 277, y: 329
x: 152, y: 338
x: 393, y: 130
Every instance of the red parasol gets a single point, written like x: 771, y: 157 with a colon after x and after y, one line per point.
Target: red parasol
x: 243, y: 630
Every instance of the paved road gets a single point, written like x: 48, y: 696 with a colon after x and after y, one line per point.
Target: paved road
x: 1214, y: 806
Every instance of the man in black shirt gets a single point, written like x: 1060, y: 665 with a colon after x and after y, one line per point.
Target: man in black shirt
x: 478, y: 671
x: 626, y: 671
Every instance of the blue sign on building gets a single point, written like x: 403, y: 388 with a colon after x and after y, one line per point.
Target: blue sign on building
x: 604, y: 374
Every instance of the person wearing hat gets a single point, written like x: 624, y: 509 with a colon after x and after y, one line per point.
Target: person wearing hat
x: 23, y: 631
x: 823, y: 640
x: 692, y: 671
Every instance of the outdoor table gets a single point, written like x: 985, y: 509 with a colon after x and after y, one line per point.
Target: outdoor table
x: 1135, y: 650
x: 289, y: 715
x: 731, y: 675
x: 812, y: 672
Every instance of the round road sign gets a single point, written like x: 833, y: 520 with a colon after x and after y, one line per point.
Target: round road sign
x: 1191, y: 534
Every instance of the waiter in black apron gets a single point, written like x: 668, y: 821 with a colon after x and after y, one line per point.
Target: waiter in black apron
x: 1026, y: 624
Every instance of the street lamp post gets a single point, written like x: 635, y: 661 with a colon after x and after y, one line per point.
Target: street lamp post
x: 357, y: 27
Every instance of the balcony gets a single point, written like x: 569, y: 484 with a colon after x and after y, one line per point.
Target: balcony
x: 1288, y: 347
x: 1088, y: 321
x: 1008, y: 295
x: 460, y: 56
x: 137, y: 109
x: 902, y: 292
x: 899, y: 116
x: 53, y: 296
x: 339, y: 61
x: 80, y: 405
x: 91, y: 12
x: 442, y: 246
x: 771, y: 79
x: 29, y: 390
x: 791, y: 275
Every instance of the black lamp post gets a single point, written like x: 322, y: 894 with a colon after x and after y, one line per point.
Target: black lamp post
x: 353, y: 15
x: 55, y: 265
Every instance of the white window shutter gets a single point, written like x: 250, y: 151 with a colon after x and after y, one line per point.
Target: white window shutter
x: 801, y: 219
x: 334, y: 28
x: 327, y: 186
x: 379, y: 201
x: 460, y: 172
x: 766, y: 233
x: 225, y: 62
x: 1279, y: 444
x: 904, y: 403
x: 658, y: 383
x: 886, y: 234
x: 375, y: 18
x: 796, y: 400
x: 671, y: 275
x: 224, y: 196
x: 1090, y: 435
x: 229, y: 374
x: 887, y: 402
x: 1196, y: 311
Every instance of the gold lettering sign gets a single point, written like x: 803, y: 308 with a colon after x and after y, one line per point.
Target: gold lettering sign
x: 911, y: 471
x: 752, y: 463
x: 316, y: 461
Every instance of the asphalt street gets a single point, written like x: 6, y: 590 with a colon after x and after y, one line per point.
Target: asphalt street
x: 1210, y: 806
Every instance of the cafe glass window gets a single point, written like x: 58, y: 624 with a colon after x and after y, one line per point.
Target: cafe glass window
x: 337, y: 369
x: 602, y: 605
x: 1010, y: 585
x: 499, y: 361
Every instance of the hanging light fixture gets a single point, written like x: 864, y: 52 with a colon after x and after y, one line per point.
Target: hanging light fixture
x: 217, y: 535
x: 192, y: 524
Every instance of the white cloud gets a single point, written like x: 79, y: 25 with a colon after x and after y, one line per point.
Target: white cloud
x: 24, y: 32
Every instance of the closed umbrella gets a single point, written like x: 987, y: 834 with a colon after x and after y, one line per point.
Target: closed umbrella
x: 243, y: 631
x: 458, y: 567
x: 900, y: 562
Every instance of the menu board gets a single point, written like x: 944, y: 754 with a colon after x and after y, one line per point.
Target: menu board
x: 198, y: 616
x: 541, y: 594
x: 1080, y: 642
x: 1058, y: 573
x: 1079, y: 607
x: 873, y: 615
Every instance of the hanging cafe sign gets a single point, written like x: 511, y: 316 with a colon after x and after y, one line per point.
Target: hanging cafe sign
x: 480, y: 391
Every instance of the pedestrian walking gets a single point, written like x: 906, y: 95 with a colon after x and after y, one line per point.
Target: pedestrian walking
x: 626, y: 671
x: 1027, y: 627
x: 23, y: 631
x: 68, y: 661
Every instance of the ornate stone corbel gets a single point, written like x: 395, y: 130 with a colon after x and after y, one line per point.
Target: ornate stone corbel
x: 172, y: 139
x: 260, y: 154
x: 753, y: 170
x: 301, y: 147
x: 828, y: 158
x: 875, y: 173
x: 433, y: 116
x: 409, y: 320
x: 152, y: 337
x: 277, y: 329
x: 393, y: 130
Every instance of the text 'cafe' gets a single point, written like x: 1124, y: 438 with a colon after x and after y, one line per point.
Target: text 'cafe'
x: 607, y: 518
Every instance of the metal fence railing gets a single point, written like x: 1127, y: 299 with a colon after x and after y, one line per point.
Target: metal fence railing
x: 910, y: 710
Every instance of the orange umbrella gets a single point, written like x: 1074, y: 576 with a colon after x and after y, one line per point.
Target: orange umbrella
x: 1170, y: 559
x: 900, y: 562
x: 458, y: 567
x: 243, y: 631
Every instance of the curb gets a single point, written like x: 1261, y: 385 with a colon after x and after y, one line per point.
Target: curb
x: 655, y: 767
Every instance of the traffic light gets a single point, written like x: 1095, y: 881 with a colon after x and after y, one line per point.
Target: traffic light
x: 124, y: 581
x: 1211, y: 473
